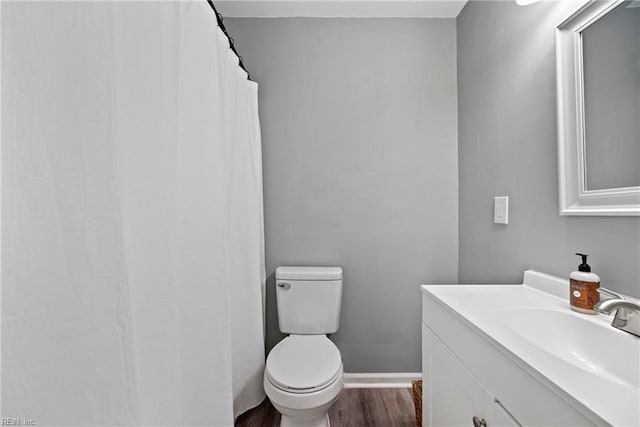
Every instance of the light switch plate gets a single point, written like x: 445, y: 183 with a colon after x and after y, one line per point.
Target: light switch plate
x: 501, y: 210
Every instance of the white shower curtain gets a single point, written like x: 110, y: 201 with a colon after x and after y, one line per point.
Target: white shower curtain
x: 132, y: 232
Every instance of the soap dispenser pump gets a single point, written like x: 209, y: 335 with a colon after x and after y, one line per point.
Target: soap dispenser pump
x: 584, y: 286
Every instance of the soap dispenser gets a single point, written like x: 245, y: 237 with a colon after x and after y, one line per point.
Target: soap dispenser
x: 584, y: 286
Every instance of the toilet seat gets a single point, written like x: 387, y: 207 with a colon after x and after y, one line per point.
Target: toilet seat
x: 303, y: 364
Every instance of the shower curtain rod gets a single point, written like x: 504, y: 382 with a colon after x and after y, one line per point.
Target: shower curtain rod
x: 219, y: 18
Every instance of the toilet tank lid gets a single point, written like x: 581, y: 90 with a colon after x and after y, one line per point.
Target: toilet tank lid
x: 308, y: 273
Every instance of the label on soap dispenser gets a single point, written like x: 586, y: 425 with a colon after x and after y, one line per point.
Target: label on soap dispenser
x: 584, y: 295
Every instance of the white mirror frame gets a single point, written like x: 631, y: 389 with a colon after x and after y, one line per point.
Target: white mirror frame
x: 575, y: 199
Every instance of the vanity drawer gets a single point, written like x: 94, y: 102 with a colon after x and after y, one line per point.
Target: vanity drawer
x: 453, y: 396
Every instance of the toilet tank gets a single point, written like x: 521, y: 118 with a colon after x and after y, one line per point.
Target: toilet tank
x: 308, y: 299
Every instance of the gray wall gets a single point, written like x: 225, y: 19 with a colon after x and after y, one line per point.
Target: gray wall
x: 360, y: 167
x: 507, y: 146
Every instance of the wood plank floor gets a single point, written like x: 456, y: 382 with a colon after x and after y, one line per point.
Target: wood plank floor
x: 375, y: 407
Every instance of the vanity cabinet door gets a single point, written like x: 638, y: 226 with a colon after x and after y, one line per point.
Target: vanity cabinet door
x: 452, y: 396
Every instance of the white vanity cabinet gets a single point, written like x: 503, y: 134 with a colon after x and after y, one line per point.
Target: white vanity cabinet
x: 471, y: 369
x: 453, y: 396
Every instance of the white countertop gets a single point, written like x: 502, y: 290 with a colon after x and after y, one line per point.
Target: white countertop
x: 580, y: 356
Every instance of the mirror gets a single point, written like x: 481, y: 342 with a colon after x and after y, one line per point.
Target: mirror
x: 598, y: 67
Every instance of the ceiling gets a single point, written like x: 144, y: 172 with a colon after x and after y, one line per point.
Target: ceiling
x: 340, y: 8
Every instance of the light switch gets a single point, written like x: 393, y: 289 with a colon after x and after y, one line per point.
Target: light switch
x: 501, y: 210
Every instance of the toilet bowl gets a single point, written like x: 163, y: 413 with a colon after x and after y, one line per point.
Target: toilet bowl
x: 303, y: 377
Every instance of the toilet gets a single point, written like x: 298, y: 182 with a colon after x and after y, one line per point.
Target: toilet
x: 303, y: 373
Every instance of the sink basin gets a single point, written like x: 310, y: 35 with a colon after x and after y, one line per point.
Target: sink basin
x: 579, y: 340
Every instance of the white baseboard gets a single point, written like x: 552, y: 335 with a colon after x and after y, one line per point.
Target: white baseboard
x: 380, y: 380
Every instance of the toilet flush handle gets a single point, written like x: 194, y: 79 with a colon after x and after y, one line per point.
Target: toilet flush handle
x: 284, y: 285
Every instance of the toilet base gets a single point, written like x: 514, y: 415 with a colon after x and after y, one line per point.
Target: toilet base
x: 321, y: 421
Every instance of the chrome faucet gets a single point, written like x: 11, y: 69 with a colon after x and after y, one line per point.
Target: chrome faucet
x: 627, y: 317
